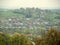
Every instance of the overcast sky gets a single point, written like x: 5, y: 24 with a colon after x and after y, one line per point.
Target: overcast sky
x: 11, y: 4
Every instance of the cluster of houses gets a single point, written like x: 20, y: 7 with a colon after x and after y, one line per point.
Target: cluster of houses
x: 21, y: 23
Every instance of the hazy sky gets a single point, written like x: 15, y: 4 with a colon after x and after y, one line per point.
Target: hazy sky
x: 51, y: 4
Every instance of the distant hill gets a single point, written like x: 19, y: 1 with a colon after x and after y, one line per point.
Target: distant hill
x: 29, y: 19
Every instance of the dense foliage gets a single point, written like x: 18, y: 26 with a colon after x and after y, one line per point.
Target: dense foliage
x: 51, y: 38
x: 15, y: 39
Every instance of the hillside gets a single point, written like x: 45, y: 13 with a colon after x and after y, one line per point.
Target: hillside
x: 25, y: 20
